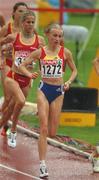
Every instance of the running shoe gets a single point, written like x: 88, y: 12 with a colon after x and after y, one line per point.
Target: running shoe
x: 95, y: 163
x: 43, y: 171
x: 4, y: 130
x: 11, y: 139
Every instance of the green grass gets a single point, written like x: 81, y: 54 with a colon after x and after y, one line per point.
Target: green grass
x: 89, y: 134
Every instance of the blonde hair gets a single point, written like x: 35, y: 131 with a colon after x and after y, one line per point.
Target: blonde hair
x: 52, y: 26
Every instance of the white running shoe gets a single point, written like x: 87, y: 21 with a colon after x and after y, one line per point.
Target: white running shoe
x: 12, y: 139
x: 95, y: 162
x: 43, y: 171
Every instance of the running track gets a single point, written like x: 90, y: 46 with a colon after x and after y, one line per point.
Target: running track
x: 22, y: 162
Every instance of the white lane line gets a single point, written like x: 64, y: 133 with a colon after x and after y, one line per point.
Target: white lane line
x: 20, y: 172
x: 55, y: 142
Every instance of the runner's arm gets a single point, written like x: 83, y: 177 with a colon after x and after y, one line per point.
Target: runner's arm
x: 71, y: 64
x: 96, y: 65
x: 32, y: 57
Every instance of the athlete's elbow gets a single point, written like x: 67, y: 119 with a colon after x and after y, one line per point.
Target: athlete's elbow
x: 75, y: 72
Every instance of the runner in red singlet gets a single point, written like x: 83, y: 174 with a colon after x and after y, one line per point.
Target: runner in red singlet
x: 16, y: 84
x: 11, y: 27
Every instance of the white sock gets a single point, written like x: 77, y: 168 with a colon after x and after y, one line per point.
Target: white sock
x: 42, y: 162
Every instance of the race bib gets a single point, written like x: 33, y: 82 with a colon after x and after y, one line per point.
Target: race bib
x: 20, y: 57
x: 51, y: 68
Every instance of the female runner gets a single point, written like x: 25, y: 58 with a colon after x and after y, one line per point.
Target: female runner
x: 52, y: 59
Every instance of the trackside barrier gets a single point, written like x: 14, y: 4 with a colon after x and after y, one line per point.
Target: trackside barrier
x: 54, y: 142
x: 61, y: 10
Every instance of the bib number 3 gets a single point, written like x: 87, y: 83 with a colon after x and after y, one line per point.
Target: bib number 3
x: 18, y: 61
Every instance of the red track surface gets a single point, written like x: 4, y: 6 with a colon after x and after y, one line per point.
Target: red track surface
x: 62, y: 165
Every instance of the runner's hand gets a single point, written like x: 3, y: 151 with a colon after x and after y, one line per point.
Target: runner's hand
x: 34, y: 75
x: 67, y: 85
x: 7, y: 50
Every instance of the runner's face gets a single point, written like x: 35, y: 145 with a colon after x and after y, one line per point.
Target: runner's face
x: 55, y: 36
x: 28, y: 24
x: 18, y: 13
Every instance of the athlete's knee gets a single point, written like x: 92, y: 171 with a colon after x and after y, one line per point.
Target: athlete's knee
x: 7, y: 100
x: 52, y: 129
x: 44, y: 130
x: 21, y: 102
